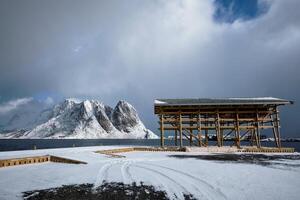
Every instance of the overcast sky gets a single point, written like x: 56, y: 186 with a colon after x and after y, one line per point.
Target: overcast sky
x: 142, y: 50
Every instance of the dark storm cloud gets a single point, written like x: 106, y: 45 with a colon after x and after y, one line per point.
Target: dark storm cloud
x: 141, y: 50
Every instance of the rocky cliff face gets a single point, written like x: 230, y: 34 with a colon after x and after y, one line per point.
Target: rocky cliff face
x: 124, y: 117
x: 87, y: 119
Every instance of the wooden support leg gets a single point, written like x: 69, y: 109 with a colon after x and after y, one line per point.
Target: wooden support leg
x: 162, y: 131
x: 274, y: 130
x: 222, y: 137
x: 199, y: 140
x: 252, y: 137
x: 257, y: 132
x: 191, y: 130
x: 206, y: 137
x: 199, y: 129
x: 191, y: 137
x: 175, y: 139
x: 218, y: 128
x: 278, y: 128
x: 180, y: 130
x: 237, y: 131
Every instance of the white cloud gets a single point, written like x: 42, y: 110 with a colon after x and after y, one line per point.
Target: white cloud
x: 49, y: 101
x: 13, y: 104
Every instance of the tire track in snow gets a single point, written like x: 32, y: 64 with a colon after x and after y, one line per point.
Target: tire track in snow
x: 172, y: 190
x: 211, y: 188
x: 126, y: 175
x: 103, y: 174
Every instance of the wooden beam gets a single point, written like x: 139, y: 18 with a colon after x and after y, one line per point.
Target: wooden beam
x: 176, y: 112
x: 214, y: 127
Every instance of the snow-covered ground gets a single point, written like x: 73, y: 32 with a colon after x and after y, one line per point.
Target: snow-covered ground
x: 202, y: 178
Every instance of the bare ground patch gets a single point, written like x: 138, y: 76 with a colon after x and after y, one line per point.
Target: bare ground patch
x: 260, y: 159
x: 111, y: 190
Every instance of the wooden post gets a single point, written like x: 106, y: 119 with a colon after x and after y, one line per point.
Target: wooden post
x: 180, y: 130
x: 206, y: 132
x: 222, y: 137
x: 206, y: 137
x: 257, y: 135
x: 252, y: 137
x: 191, y: 131
x: 218, y: 128
x: 191, y: 137
x: 199, y: 129
x: 175, y: 137
x: 237, y: 130
x: 278, y: 128
x: 274, y: 130
x: 162, y: 131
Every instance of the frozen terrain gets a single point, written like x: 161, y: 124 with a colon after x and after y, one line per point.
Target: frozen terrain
x: 89, y: 119
x: 177, y: 173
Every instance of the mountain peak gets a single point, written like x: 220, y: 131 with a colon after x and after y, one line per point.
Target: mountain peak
x: 73, y: 118
x: 124, y: 116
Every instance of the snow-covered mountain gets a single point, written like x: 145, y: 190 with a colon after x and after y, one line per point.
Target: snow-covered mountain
x: 83, y: 119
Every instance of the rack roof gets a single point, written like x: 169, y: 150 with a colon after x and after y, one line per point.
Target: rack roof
x: 222, y: 101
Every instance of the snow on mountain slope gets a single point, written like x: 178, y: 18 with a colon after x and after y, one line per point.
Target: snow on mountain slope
x: 87, y: 119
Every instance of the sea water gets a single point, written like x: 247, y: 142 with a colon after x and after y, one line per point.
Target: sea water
x: 29, y: 144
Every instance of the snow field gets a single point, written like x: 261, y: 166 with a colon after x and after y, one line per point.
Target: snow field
x: 204, y: 179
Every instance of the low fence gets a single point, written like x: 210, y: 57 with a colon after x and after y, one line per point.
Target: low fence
x: 37, y: 159
x: 266, y: 150
x: 114, y: 152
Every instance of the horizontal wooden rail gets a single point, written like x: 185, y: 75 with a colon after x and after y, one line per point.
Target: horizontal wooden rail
x: 166, y: 120
x: 183, y: 113
x: 213, y: 127
x: 37, y: 159
x: 112, y: 152
x: 266, y: 150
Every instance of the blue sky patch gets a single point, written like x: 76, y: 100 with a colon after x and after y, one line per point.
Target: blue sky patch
x: 230, y: 10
